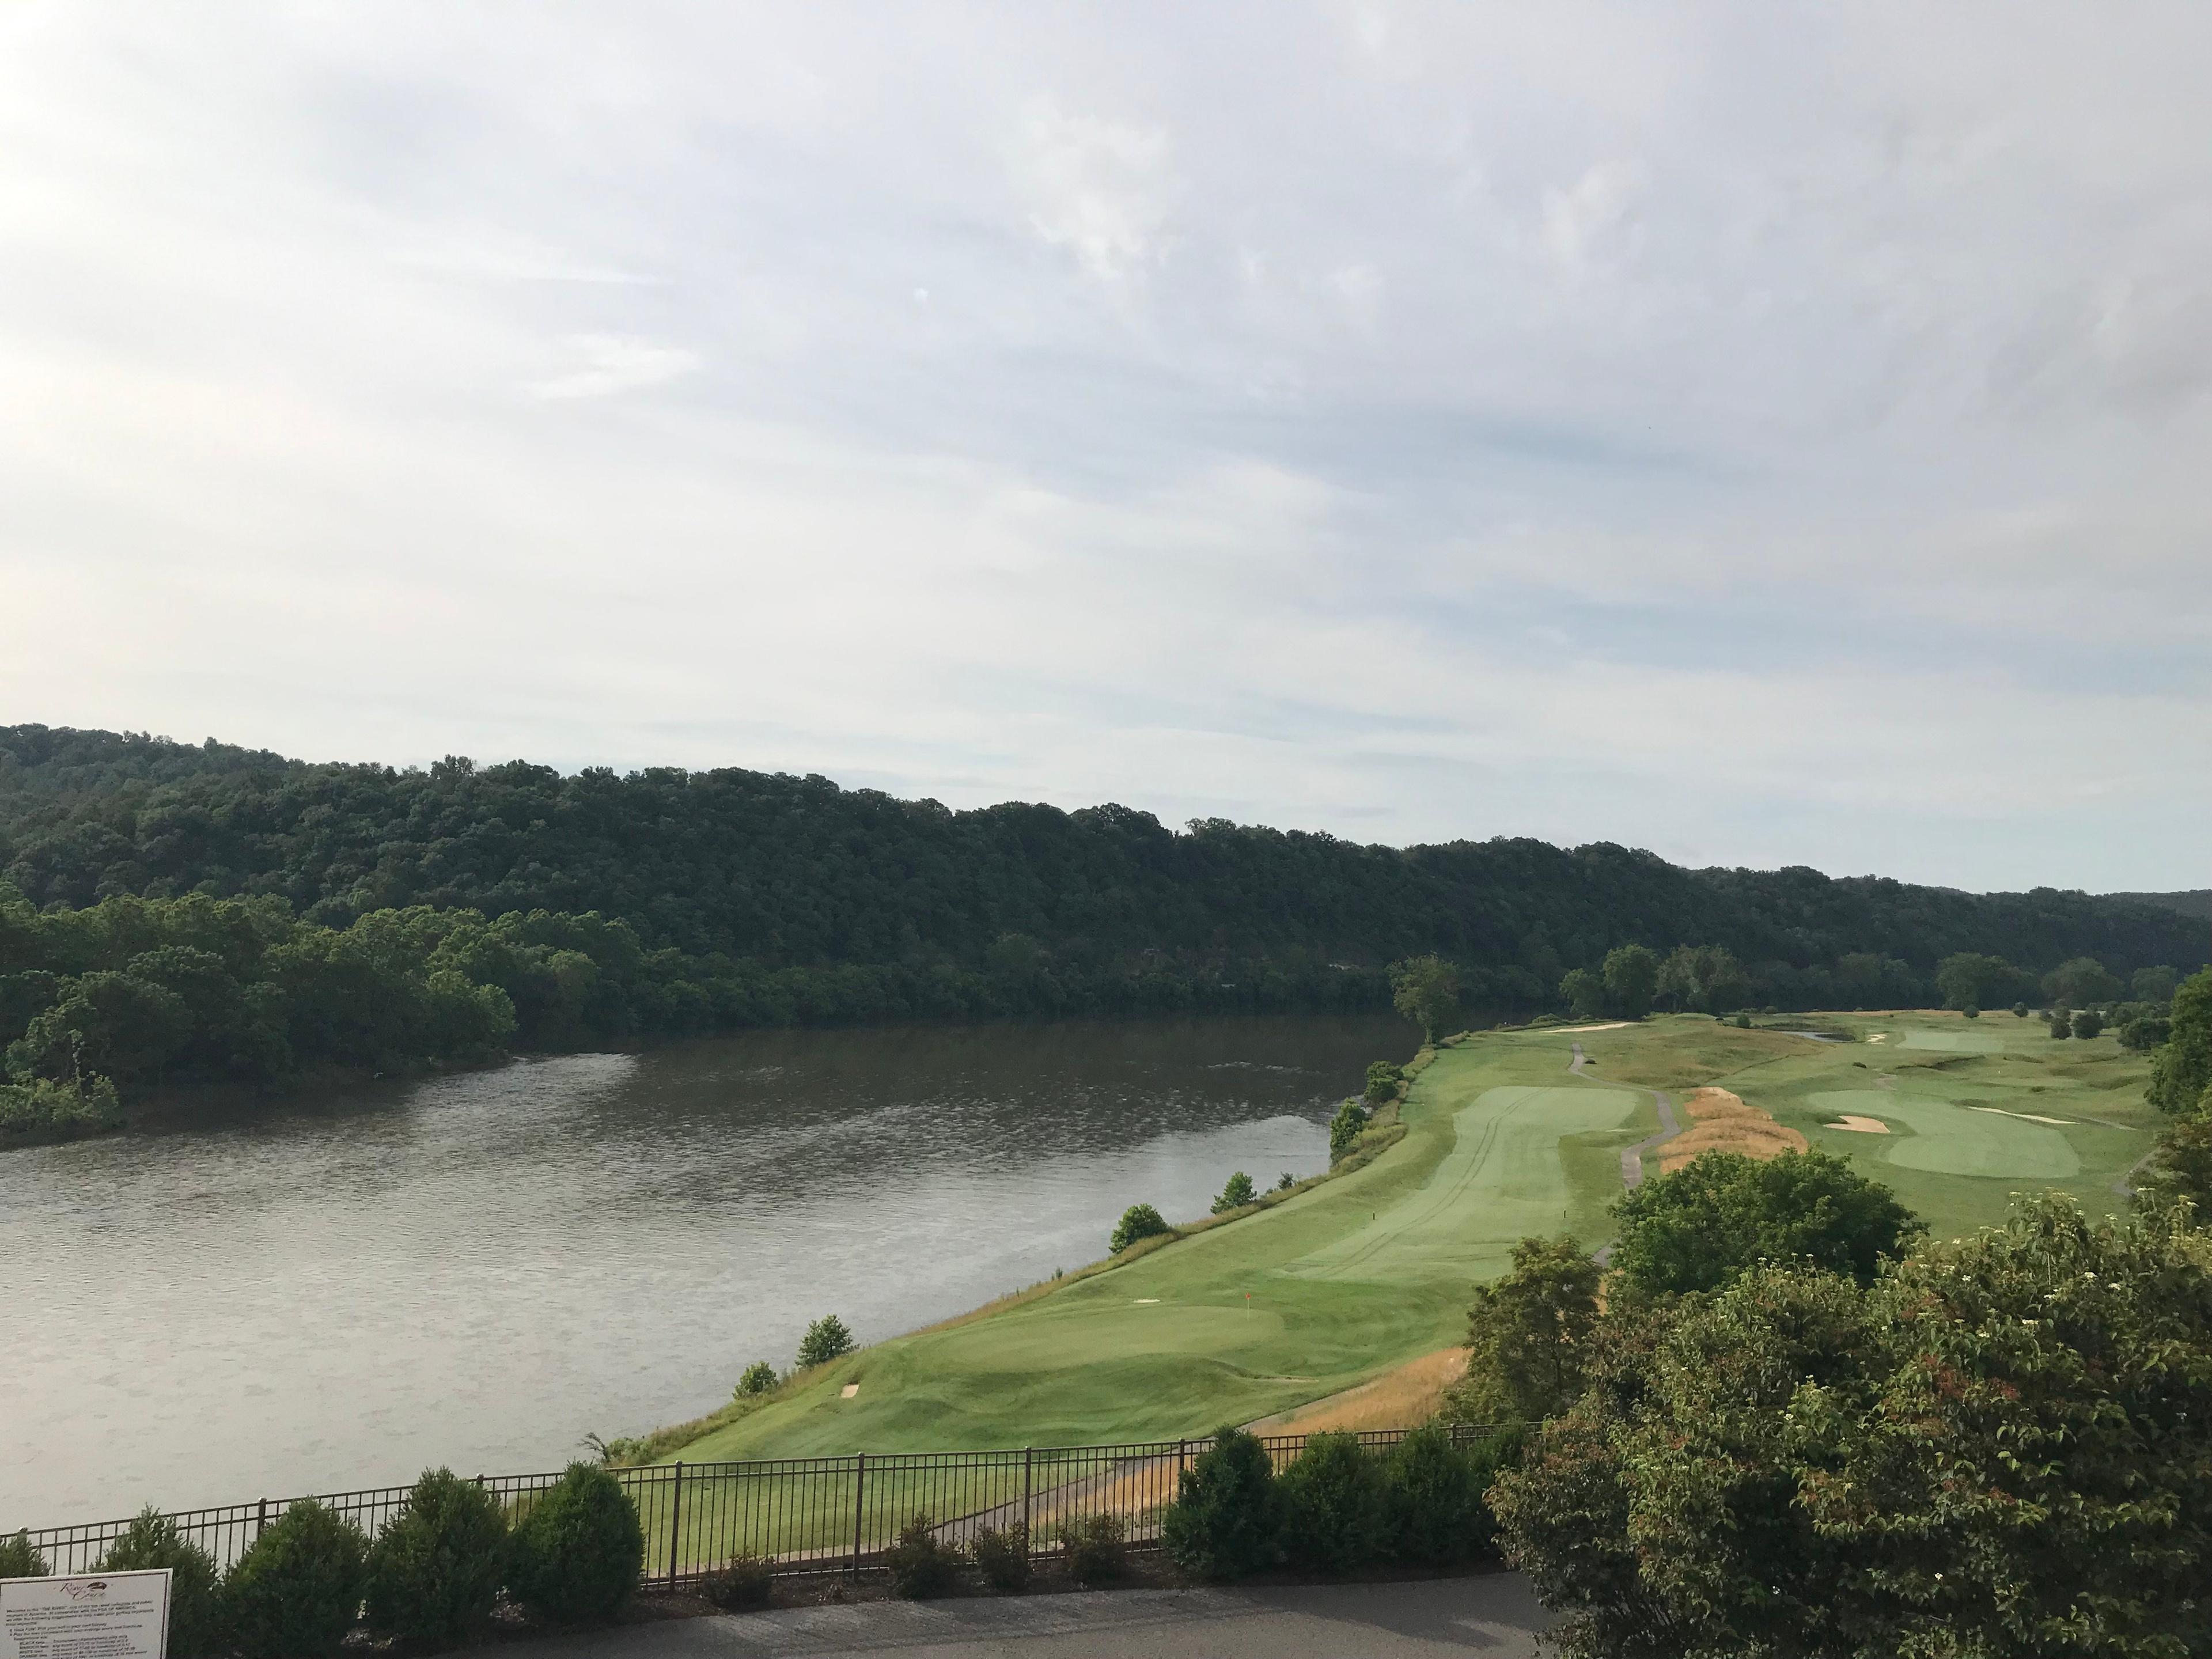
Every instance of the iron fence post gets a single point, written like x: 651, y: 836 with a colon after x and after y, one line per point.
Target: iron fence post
x: 261, y: 1519
x: 860, y: 1485
x: 1028, y: 1486
x: 675, y: 1521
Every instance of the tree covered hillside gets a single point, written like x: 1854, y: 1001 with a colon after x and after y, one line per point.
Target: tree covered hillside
x: 1063, y: 910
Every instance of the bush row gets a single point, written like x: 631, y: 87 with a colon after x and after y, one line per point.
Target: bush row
x: 1338, y: 1508
x: 571, y: 1554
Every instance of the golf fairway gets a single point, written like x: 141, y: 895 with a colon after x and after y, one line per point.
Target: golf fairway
x: 1331, y: 1285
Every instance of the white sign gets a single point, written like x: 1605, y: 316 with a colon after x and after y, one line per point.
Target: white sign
x: 101, y: 1615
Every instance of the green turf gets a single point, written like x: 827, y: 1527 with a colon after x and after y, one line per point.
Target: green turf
x: 1364, y: 1272
x: 1952, y: 1138
x: 1954, y: 1043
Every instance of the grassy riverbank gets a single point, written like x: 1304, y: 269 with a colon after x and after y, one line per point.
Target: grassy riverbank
x: 1372, y: 1268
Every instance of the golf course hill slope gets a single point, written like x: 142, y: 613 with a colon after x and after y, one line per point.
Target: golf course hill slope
x: 1357, y: 1275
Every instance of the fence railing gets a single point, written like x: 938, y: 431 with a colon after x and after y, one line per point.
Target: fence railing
x: 800, y: 1514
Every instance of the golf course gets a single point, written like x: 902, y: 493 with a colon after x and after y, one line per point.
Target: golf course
x: 1353, y: 1275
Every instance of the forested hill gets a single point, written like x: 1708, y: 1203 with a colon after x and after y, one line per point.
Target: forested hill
x: 783, y: 872
x: 2196, y: 904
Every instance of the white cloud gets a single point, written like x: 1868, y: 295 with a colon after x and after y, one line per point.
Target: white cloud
x: 612, y: 363
x: 1763, y: 437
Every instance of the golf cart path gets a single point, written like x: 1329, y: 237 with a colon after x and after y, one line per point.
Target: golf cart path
x: 1632, y: 1157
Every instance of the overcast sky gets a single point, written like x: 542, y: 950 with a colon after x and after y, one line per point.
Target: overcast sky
x: 1765, y: 434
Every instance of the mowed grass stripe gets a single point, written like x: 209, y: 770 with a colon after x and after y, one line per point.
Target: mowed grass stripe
x: 1503, y: 1180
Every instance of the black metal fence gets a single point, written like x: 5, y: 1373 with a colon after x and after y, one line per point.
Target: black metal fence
x: 802, y: 1515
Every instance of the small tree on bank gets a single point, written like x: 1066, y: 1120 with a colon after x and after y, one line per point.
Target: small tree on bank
x: 826, y: 1340
x: 1425, y: 990
x: 1344, y: 1127
x: 1138, y: 1221
x: 1236, y: 1194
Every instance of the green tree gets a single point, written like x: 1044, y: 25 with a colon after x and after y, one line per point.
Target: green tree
x: 1529, y: 1335
x: 2154, y: 984
x: 1225, y: 1522
x: 2182, y: 1070
x: 1138, y: 1221
x: 2182, y: 1166
x: 153, y: 1541
x: 1703, y: 1225
x: 1583, y: 991
x: 2062, y: 1023
x: 1235, y: 1193
x: 1970, y: 979
x: 756, y: 1378
x: 1425, y: 990
x: 826, y: 1340
x: 1344, y: 1128
x: 1383, y: 1080
x: 2088, y: 1024
x: 1991, y: 1451
x: 434, y: 1571
x: 2080, y: 981
x: 1631, y: 980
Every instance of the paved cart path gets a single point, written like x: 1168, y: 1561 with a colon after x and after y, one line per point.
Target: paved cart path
x: 1495, y: 1616
x: 1632, y: 1157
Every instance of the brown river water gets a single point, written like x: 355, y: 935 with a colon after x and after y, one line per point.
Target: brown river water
x: 479, y: 1269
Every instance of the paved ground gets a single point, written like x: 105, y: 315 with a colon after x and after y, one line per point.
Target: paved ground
x: 1495, y: 1616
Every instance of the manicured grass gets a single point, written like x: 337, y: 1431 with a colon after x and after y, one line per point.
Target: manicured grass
x: 1954, y: 1043
x: 1370, y: 1270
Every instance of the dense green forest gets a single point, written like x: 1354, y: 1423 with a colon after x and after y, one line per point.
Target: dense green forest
x: 173, y: 911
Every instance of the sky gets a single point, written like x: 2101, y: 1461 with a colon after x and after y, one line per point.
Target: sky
x: 1766, y: 434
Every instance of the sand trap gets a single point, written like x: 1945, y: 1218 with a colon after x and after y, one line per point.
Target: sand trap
x: 1722, y: 1122
x: 2027, y: 1116
x: 1879, y: 1037
x: 1562, y: 1030
x: 848, y: 1391
x: 1410, y: 1394
x: 1148, y: 1302
x: 1865, y: 1126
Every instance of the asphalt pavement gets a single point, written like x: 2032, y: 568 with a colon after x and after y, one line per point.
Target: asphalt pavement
x: 1495, y: 1616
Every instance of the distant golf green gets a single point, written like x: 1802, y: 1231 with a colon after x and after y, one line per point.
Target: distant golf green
x: 1955, y: 1042
x: 1954, y: 1138
x: 1372, y: 1268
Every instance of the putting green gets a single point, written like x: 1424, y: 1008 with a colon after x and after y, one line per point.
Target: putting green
x: 1502, y: 1180
x: 1955, y: 1042
x: 1950, y: 1140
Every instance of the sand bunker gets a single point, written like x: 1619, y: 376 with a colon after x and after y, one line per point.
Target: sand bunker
x: 848, y: 1391
x: 1865, y: 1126
x: 2029, y: 1117
x: 1721, y: 1122
x: 1617, y: 1025
x: 1879, y: 1037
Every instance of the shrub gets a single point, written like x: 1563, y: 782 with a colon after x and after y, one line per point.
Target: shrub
x: 1236, y: 1194
x: 1138, y: 1221
x: 921, y: 1563
x: 741, y: 1584
x: 2145, y: 1032
x: 1224, y: 1522
x: 2088, y: 1024
x: 1432, y: 1508
x: 1331, y: 1498
x: 296, y: 1591
x: 1095, y: 1550
x: 1383, y: 1080
x: 2019, y: 1010
x: 1002, y: 1556
x: 152, y: 1541
x: 756, y: 1378
x: 1344, y: 1128
x: 826, y: 1340
x: 435, y: 1570
x: 19, y: 1560
x: 2062, y: 1026
x: 1285, y: 1181
x: 1970, y: 1011
x: 577, y: 1550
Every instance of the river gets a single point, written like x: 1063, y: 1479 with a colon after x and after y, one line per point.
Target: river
x: 479, y: 1269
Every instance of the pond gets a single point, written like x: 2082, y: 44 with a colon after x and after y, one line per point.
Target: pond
x: 480, y: 1269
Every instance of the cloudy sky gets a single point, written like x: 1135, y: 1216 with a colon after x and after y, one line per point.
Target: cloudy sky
x: 1765, y: 433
